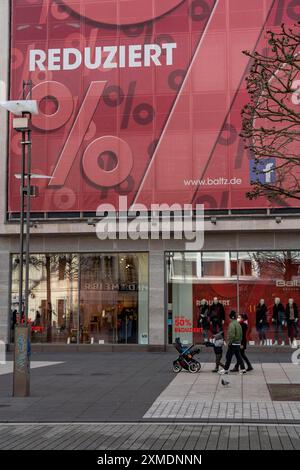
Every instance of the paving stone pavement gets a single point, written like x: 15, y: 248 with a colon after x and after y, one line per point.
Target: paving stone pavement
x: 134, y: 387
x: 246, y: 398
x: 148, y: 436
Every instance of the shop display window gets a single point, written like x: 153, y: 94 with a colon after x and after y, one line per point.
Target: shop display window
x: 263, y: 284
x: 98, y: 298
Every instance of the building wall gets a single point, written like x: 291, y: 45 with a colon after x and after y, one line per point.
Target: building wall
x: 89, y: 243
x: 252, y: 233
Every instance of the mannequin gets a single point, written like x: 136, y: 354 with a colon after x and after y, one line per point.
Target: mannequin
x: 203, y: 320
x: 217, y: 315
x: 278, y: 319
x: 261, y: 321
x: 291, y: 313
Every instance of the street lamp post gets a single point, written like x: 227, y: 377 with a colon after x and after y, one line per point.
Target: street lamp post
x: 24, y: 108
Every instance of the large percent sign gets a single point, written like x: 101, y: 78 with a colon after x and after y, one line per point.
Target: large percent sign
x: 112, y: 96
x: 120, y: 12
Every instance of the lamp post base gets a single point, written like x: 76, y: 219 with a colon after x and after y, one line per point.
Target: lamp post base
x: 21, y: 379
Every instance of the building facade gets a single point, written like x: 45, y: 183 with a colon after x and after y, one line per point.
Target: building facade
x: 184, y: 74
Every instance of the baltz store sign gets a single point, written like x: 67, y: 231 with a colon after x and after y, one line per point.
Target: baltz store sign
x: 140, y: 98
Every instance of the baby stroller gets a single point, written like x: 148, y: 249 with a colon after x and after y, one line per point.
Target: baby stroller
x: 186, y: 360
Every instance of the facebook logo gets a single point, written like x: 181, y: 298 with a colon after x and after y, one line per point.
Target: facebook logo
x: 263, y: 171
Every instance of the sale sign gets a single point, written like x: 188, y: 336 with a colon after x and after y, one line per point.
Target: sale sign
x: 139, y: 98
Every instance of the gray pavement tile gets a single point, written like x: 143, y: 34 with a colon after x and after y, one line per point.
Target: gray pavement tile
x: 294, y: 436
x: 223, y: 438
x: 165, y: 433
x: 213, y: 440
x: 284, y: 438
x: 114, y: 432
x: 192, y: 440
x: 145, y: 446
x: 168, y: 445
x: 203, y: 438
x: 253, y: 438
x: 233, y: 441
x: 274, y: 439
x: 93, y: 430
x: 123, y: 437
x: 80, y: 438
x: 244, y: 443
x: 103, y: 435
x: 150, y: 436
x: 151, y: 440
x: 145, y: 432
x: 32, y: 435
x: 264, y: 438
x: 49, y: 440
x: 130, y: 438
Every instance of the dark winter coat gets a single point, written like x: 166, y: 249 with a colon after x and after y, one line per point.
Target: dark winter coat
x: 203, y: 317
x: 261, y: 316
x: 217, y: 311
x: 244, y: 331
x: 278, y: 313
x: 287, y: 311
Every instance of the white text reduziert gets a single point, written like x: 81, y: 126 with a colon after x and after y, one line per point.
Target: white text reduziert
x: 106, y: 57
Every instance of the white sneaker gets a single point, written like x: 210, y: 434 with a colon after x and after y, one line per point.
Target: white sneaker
x: 275, y: 343
x: 260, y: 343
x: 222, y: 371
x: 283, y: 343
x: 294, y: 345
x: 243, y: 371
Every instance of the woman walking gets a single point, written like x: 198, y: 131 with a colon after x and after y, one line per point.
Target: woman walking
x: 243, y: 321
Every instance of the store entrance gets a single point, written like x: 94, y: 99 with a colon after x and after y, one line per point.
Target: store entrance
x: 109, y: 317
x: 113, y: 299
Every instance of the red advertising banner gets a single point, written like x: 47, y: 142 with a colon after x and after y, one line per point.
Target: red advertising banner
x: 139, y: 98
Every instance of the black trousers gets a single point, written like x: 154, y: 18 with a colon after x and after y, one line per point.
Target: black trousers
x: 245, y: 358
x: 216, y: 325
x: 292, y: 329
x: 236, y: 351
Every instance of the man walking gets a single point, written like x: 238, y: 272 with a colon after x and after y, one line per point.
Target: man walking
x: 234, y: 338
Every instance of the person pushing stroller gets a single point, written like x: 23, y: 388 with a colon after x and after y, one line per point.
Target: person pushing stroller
x: 217, y: 344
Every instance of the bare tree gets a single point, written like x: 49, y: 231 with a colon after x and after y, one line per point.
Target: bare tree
x: 49, y: 265
x: 282, y: 265
x: 271, y: 119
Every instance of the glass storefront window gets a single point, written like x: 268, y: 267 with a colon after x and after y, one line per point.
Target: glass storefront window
x: 114, y: 298
x: 113, y: 305
x: 53, y: 297
x: 267, y: 283
x: 207, y: 286
x: 263, y: 284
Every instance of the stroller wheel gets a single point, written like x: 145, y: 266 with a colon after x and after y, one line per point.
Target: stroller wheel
x: 198, y: 365
x: 176, y: 367
x: 193, y: 367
